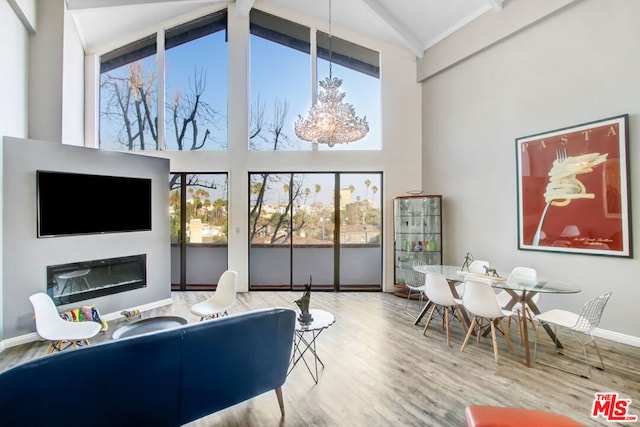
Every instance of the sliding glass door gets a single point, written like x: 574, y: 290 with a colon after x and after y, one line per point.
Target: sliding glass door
x: 198, y: 218
x: 313, y: 247
x: 360, y: 231
x: 293, y: 238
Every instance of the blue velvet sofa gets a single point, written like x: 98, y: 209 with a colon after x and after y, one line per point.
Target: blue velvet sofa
x: 166, y: 378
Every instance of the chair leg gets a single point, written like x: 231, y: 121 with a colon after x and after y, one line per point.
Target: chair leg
x: 469, y: 332
x: 479, y: 329
x: 520, y: 325
x: 458, y: 314
x: 50, y: 348
x: 446, y: 321
x: 494, y: 339
x: 533, y: 323
x: 406, y: 304
x: 601, y: 367
x: 280, y: 400
x: 506, y: 336
x: 584, y: 352
x: 426, y: 326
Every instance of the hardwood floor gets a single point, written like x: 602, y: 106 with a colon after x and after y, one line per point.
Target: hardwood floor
x: 381, y: 371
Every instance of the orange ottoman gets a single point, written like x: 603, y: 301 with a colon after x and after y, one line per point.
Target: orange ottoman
x: 495, y: 416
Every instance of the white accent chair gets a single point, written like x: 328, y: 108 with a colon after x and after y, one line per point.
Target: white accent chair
x: 414, y: 281
x: 223, y: 298
x: 437, y: 291
x: 51, y: 327
x: 579, y: 325
x: 480, y: 300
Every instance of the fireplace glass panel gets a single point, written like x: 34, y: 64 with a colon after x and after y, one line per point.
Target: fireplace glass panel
x: 79, y: 281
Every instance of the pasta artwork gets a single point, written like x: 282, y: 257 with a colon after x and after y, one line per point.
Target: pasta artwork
x: 563, y: 185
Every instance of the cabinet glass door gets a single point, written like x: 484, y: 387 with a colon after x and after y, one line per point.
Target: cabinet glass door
x: 418, y: 232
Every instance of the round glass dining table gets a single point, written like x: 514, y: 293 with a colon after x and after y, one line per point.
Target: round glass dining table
x: 521, y: 291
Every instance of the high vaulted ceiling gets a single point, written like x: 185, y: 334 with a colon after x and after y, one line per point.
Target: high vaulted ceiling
x: 413, y: 24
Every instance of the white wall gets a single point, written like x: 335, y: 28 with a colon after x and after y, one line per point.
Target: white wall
x: 45, y: 73
x: 25, y: 257
x: 578, y: 65
x: 13, y: 87
x: 72, y: 85
x: 13, y: 63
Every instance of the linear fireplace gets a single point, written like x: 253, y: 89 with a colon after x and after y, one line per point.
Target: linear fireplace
x: 78, y: 281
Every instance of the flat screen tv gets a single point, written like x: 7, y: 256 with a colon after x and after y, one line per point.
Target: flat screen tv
x: 75, y: 203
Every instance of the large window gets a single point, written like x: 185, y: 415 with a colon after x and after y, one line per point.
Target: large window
x: 359, y: 70
x: 128, y: 97
x: 195, y: 79
x: 280, y: 82
x: 199, y: 228
x: 196, y: 85
x: 280, y: 77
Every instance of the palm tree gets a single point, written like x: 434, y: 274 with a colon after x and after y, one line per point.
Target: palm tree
x: 317, y: 189
x: 367, y: 183
x: 307, y: 192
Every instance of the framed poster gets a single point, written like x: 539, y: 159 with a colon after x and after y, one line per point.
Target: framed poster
x: 573, y: 189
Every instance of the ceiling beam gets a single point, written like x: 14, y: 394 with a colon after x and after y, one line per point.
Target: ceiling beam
x: 243, y: 7
x: 410, y: 40
x: 495, y: 4
x: 92, y: 4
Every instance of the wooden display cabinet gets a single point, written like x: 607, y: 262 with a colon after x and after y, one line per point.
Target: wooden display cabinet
x: 417, y: 234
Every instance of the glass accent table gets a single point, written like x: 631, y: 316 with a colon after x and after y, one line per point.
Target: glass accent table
x: 305, y: 340
x: 145, y: 326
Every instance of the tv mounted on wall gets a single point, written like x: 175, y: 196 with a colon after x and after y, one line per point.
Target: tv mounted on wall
x: 75, y: 203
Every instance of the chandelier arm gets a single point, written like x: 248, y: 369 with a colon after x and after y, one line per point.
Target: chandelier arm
x: 330, y: 44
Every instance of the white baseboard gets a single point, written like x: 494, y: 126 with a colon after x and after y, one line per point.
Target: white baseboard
x: 33, y: 336
x: 617, y: 337
x: 19, y: 340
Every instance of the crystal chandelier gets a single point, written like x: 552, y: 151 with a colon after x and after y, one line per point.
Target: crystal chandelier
x: 331, y: 121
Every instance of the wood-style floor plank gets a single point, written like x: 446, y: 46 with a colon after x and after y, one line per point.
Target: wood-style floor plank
x: 381, y: 371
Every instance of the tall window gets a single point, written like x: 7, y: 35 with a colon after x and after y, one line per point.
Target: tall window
x: 199, y: 229
x: 359, y: 70
x: 280, y: 76
x: 195, y: 96
x: 196, y: 84
x: 128, y: 97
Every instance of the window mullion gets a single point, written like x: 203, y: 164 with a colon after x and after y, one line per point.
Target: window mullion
x: 161, y: 89
x: 314, y: 72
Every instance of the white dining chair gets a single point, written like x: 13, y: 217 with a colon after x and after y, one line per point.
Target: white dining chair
x: 480, y: 300
x: 438, y: 292
x: 477, y: 266
x: 580, y: 326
